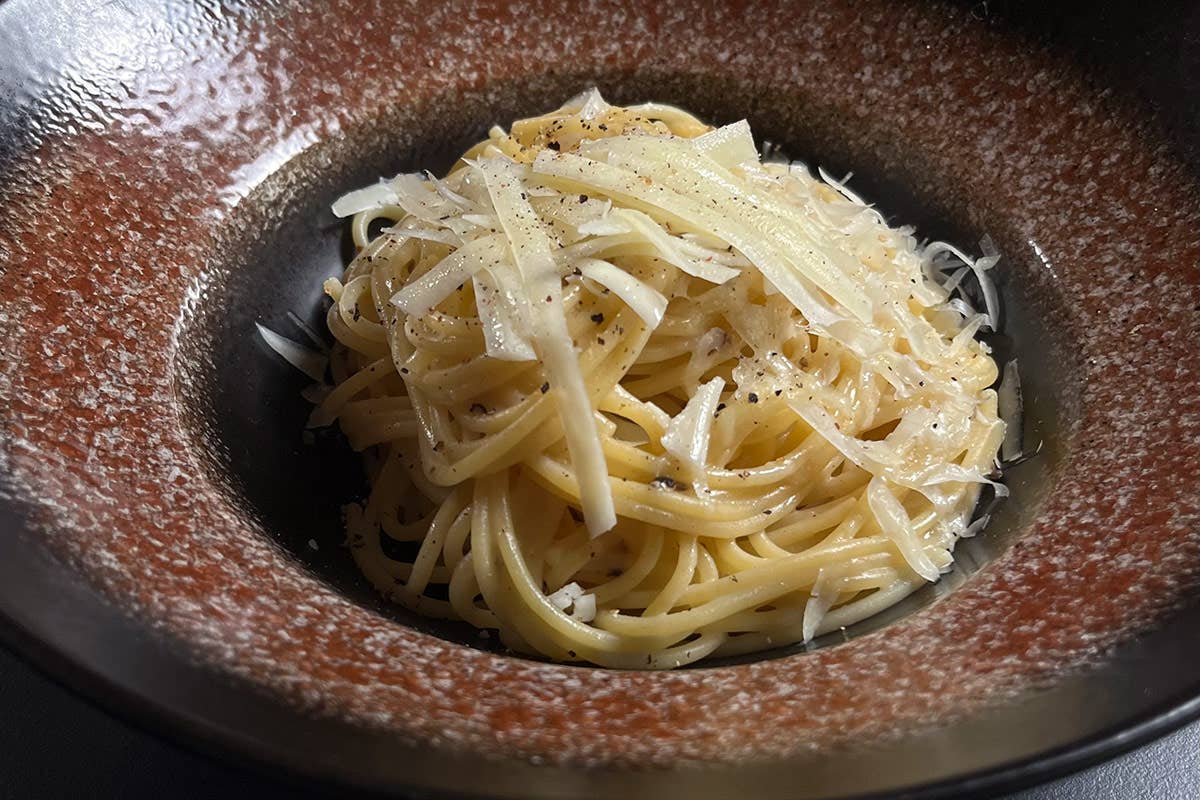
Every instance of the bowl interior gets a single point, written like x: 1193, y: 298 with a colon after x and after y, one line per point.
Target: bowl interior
x: 243, y: 404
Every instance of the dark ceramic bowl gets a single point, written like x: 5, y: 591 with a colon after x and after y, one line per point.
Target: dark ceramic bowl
x: 170, y: 543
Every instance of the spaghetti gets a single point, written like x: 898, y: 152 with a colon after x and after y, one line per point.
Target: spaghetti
x: 630, y: 396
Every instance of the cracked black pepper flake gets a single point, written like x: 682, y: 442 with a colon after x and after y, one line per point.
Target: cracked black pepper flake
x: 667, y: 482
x: 752, y: 397
x: 598, y: 318
x: 545, y: 387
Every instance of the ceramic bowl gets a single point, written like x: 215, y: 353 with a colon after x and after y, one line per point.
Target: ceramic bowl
x: 171, y: 535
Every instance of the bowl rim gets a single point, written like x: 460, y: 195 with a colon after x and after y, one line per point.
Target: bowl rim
x: 34, y: 628
x: 27, y: 630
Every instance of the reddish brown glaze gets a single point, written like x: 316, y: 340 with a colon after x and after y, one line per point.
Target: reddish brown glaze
x: 110, y: 228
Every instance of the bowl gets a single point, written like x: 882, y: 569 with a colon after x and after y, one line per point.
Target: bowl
x: 171, y: 534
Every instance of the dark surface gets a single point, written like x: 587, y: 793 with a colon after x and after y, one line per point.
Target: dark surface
x: 53, y: 743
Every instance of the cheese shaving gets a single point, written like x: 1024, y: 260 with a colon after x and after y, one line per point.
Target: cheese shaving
x: 311, y: 362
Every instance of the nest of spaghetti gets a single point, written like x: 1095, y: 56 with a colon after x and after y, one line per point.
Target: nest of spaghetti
x: 628, y: 395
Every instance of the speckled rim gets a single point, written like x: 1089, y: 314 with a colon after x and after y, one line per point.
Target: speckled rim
x: 149, y: 161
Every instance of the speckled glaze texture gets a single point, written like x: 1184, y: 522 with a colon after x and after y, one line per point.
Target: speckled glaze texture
x: 111, y: 234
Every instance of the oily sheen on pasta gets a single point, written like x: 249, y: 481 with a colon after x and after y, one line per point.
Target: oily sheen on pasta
x: 628, y: 395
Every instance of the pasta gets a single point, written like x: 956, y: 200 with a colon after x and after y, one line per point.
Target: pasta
x: 630, y: 396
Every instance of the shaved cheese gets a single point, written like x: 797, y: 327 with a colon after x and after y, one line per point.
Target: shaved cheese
x: 445, y: 191
x: 499, y: 318
x: 604, y: 226
x: 418, y: 197
x: 688, y: 435
x: 316, y: 393
x: 822, y: 597
x: 960, y: 306
x: 841, y: 187
x: 584, y: 609
x: 884, y: 458
x: 975, y: 527
x: 424, y: 294
x: 663, y: 202
x: 589, y: 104
x: 671, y: 249
x: 778, y: 227
x: 645, y: 301
x: 979, y: 267
x: 1009, y: 408
x: 730, y: 145
x: 531, y: 251
x: 991, y: 300
x: 582, y: 604
x: 480, y: 220
x: 565, y: 597
x: 310, y: 362
x: 894, y: 523
x: 380, y: 194
x: 308, y: 332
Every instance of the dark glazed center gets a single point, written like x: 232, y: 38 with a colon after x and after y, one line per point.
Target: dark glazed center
x: 243, y: 405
